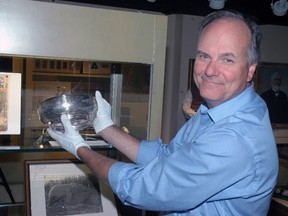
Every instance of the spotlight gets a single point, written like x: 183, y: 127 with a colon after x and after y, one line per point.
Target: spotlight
x: 217, y: 4
x: 280, y: 7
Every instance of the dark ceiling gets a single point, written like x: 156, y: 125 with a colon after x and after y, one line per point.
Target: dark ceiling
x: 260, y: 9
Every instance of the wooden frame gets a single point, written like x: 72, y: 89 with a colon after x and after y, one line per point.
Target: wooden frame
x: 65, y: 187
x: 197, y: 99
x: 263, y: 84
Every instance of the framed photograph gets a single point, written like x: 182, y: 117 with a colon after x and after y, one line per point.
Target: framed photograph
x: 66, y: 187
x: 271, y: 82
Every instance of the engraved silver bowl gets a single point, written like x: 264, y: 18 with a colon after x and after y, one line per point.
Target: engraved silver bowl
x: 80, y: 109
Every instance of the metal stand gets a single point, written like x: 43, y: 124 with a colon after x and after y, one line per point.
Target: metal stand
x: 5, y: 184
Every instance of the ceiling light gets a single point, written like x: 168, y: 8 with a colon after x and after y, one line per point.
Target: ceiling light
x: 280, y: 7
x: 217, y: 4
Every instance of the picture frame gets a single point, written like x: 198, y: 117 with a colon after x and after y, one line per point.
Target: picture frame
x: 197, y: 99
x: 65, y: 187
x: 10, y: 103
x: 262, y: 84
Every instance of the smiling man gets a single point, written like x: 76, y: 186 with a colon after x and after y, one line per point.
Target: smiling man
x: 222, y: 69
x: 223, y: 161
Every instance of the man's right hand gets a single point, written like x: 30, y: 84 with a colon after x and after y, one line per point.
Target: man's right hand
x: 103, y: 117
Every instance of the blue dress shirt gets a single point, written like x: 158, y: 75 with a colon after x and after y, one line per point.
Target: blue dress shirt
x: 223, y: 161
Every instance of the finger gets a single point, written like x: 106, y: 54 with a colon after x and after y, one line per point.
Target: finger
x: 53, y: 134
x: 66, y: 122
x: 98, y: 95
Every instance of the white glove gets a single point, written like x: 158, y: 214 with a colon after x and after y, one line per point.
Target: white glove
x: 103, y: 117
x: 70, y: 140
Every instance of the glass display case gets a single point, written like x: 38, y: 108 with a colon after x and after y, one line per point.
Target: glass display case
x: 126, y: 86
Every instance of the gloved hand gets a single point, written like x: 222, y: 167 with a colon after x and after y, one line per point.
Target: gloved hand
x: 70, y: 140
x: 103, y: 117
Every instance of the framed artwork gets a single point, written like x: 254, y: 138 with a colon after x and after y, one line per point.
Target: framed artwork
x: 10, y: 103
x: 271, y: 82
x: 66, y: 187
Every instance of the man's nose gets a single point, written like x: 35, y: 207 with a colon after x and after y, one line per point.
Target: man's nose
x: 212, y: 69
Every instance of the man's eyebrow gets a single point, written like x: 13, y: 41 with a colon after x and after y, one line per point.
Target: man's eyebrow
x: 228, y: 54
x: 223, y: 55
x: 201, y: 52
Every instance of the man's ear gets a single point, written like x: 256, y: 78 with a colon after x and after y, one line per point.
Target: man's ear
x: 251, y: 73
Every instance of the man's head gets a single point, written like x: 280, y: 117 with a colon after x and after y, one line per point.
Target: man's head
x: 227, y: 55
x: 276, y: 81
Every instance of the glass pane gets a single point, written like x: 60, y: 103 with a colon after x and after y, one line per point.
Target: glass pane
x: 135, y: 99
x: 46, y: 78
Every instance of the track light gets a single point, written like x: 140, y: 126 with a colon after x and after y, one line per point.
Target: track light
x: 216, y: 4
x: 280, y: 7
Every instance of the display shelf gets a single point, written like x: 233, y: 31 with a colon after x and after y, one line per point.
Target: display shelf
x: 2, y: 205
x: 45, y: 146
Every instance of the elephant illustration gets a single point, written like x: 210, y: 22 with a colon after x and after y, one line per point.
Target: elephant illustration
x: 72, y: 194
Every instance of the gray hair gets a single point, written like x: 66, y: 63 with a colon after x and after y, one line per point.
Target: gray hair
x: 254, y: 52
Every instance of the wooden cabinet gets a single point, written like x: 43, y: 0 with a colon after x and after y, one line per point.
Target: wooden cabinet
x: 279, y: 206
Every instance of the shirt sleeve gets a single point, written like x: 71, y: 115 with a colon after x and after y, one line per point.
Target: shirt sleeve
x: 165, y: 180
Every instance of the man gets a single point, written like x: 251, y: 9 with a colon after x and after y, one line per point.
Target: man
x: 276, y: 100
x: 223, y: 161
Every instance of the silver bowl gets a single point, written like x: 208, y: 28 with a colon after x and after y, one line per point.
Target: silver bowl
x: 80, y: 109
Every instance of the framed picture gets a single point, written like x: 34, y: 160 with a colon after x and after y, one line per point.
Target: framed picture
x: 66, y: 187
x: 271, y: 82
x: 197, y: 99
x: 10, y: 103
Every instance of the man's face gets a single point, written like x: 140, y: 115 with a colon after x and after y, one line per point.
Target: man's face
x: 276, y: 82
x: 221, y: 69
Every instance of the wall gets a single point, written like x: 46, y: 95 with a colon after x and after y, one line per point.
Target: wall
x: 181, y: 46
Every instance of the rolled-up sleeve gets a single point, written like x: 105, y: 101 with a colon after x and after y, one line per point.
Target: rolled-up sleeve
x: 118, y: 172
x: 148, y: 151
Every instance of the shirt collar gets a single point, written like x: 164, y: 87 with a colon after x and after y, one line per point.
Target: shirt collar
x: 229, y: 107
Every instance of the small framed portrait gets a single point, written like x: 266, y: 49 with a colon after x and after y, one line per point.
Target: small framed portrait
x: 271, y: 82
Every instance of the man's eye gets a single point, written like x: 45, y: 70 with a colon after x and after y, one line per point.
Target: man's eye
x: 203, y: 56
x: 228, y: 60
